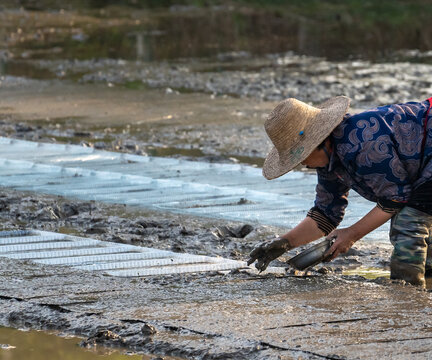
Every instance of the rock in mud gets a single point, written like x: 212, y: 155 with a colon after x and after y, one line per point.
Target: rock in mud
x: 96, y: 230
x: 103, y: 337
x: 69, y: 209
x: 186, y: 232
x: 22, y: 127
x: 178, y: 246
x: 146, y: 223
x: 48, y: 213
x: 236, y: 232
x: 4, y: 206
x: 148, y: 330
x: 100, y: 145
x: 117, y: 238
x: 324, y: 270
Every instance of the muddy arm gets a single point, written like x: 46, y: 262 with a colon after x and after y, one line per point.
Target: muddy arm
x: 346, y: 237
x: 305, y: 232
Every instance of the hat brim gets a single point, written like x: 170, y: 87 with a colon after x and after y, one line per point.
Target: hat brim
x: 330, y: 116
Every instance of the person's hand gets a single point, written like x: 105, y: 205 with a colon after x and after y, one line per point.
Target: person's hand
x: 343, y: 240
x: 268, y: 251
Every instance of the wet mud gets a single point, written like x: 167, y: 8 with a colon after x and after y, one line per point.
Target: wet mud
x: 219, y: 316
x: 175, y: 232
x: 184, y: 316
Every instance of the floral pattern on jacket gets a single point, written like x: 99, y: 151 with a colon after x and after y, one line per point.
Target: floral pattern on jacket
x: 377, y: 153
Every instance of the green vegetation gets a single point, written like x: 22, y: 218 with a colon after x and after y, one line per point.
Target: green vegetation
x: 392, y: 11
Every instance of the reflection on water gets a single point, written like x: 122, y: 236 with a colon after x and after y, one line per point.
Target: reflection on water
x: 23, y: 70
x: 37, y: 345
x: 161, y: 35
x: 368, y: 273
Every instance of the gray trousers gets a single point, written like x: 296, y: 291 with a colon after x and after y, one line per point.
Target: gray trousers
x: 411, y: 236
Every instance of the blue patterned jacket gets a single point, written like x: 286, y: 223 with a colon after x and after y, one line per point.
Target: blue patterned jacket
x: 377, y: 153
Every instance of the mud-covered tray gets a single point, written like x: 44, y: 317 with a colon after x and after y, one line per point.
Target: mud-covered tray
x: 311, y: 256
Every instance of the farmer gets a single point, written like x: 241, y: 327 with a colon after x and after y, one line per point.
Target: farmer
x: 384, y: 154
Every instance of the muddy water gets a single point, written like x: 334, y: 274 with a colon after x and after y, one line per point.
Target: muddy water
x: 184, y: 32
x: 368, y: 273
x: 372, y: 273
x: 35, y: 345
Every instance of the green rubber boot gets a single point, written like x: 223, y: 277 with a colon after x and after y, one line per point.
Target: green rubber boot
x: 410, y: 235
x: 410, y: 273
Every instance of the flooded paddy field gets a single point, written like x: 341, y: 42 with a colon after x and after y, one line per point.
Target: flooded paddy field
x: 169, y: 82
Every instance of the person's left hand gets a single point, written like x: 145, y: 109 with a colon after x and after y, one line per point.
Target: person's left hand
x: 344, y: 239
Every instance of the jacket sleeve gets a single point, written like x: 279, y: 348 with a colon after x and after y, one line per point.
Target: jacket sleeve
x: 330, y: 202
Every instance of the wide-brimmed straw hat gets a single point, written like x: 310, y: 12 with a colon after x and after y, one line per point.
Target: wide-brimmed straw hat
x: 296, y: 129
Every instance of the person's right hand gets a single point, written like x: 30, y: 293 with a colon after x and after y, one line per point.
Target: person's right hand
x: 343, y: 240
x: 267, y: 251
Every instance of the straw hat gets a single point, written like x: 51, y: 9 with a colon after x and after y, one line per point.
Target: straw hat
x: 296, y: 129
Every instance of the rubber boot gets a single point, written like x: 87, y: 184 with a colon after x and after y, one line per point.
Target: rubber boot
x: 410, y: 236
x: 408, y: 272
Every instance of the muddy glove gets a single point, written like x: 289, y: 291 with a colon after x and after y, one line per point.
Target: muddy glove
x: 268, y: 251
